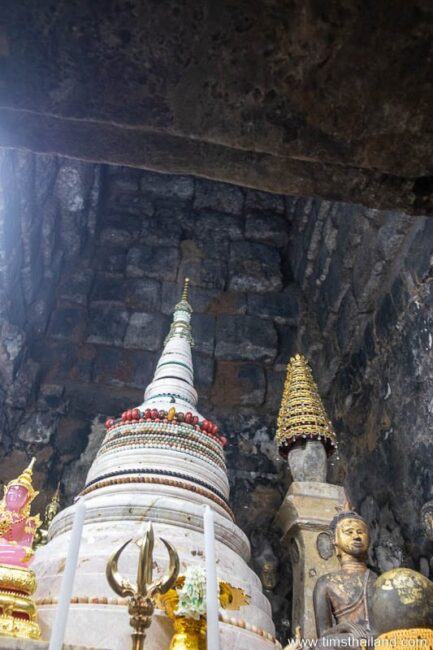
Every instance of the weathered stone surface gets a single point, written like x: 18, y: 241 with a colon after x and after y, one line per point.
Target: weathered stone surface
x: 239, y: 384
x: 283, y: 306
x: 77, y: 286
x: 263, y: 201
x: 180, y: 187
x: 239, y: 337
x: 257, y: 116
x: 254, y: 267
x: 204, y: 333
x: 107, y: 323
x: 226, y: 198
x: 267, y: 229
x: 145, y: 331
x: 147, y: 261
x: 67, y: 323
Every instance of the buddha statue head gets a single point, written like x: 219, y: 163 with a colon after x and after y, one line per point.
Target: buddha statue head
x: 350, y: 535
x: 19, y: 493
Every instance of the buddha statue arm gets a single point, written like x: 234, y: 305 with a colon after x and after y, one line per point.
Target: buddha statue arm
x: 322, y: 607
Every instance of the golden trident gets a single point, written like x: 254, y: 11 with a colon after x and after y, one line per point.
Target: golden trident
x: 142, y: 596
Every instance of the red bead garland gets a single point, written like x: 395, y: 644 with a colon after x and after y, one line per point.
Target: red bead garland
x: 153, y: 415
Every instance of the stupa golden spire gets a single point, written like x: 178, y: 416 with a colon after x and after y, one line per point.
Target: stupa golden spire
x: 302, y: 414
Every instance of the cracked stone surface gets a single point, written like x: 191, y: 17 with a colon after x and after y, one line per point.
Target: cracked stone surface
x: 294, y: 98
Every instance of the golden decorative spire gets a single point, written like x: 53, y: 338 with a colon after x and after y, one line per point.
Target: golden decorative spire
x: 25, y: 479
x: 302, y: 414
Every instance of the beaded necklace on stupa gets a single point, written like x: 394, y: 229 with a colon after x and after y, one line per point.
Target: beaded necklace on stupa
x: 302, y: 414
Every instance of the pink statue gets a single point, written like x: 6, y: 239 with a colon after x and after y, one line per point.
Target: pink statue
x: 17, y: 528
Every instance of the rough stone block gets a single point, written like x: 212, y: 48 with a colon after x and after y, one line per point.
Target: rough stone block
x: 160, y: 263
x: 109, y: 287
x: 218, y: 196
x: 112, y: 366
x: 146, y: 331
x: 174, y: 212
x: 229, y: 302
x: 254, y: 267
x: 107, y: 323
x: 117, y: 367
x: 210, y: 224
x: 242, y: 337
x: 166, y: 185
x: 346, y: 320
x: 206, y: 273
x: 238, y: 384
x: 111, y: 236
x: 41, y: 309
x: 71, y: 436
x: 143, y: 294
x: 204, y: 367
x: 63, y: 361
x: 111, y: 259
x: 75, y: 285
x: 283, y: 306
x: 133, y: 204
x: 264, y: 201
x: 274, y: 391
x: 385, y: 318
x: 68, y: 323
x: 161, y: 230
x: 287, y: 339
x: 38, y: 428
x: 419, y: 258
x: 143, y: 366
x: 203, y: 328
x: 267, y: 229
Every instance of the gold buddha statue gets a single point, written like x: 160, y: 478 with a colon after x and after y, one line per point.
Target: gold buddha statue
x: 341, y: 598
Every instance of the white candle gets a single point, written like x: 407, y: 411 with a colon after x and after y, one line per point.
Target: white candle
x: 212, y: 589
x: 59, y: 627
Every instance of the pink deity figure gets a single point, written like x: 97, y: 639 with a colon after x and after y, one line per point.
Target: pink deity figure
x: 17, y: 527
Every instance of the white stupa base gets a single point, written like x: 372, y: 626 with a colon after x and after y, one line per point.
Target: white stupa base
x: 88, y: 626
x: 111, y: 519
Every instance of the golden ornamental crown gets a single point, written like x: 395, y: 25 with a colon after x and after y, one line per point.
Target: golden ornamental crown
x: 25, y: 479
x: 302, y: 414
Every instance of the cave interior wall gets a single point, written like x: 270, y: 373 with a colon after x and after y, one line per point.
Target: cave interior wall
x: 92, y: 259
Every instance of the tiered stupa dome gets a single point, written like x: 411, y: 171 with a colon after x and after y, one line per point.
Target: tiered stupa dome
x: 161, y: 461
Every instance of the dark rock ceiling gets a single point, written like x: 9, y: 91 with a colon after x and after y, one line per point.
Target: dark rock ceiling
x: 308, y: 98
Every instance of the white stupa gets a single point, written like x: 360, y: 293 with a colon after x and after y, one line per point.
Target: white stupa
x: 160, y: 462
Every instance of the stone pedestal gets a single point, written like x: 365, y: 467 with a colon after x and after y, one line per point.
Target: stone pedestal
x: 307, y: 511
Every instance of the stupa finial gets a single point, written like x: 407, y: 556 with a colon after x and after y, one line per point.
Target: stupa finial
x: 302, y: 414
x: 185, y: 292
x: 174, y: 375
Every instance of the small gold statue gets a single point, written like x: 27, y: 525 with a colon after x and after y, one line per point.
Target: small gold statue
x: 142, y: 596
x: 342, y: 598
x: 41, y: 537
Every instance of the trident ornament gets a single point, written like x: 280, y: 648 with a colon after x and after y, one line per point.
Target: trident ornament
x: 142, y: 596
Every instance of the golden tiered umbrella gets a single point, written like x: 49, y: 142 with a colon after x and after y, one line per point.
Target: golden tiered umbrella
x: 302, y: 414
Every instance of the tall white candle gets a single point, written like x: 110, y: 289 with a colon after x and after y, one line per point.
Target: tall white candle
x: 212, y: 590
x: 59, y: 627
